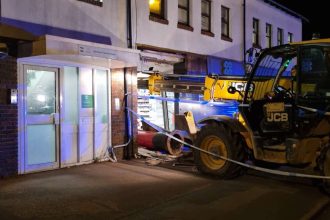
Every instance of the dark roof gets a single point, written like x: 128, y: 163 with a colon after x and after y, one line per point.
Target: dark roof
x: 287, y: 10
x: 11, y: 37
x: 11, y: 33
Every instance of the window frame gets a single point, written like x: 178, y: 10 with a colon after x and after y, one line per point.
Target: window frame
x: 93, y: 2
x: 279, y: 36
x: 160, y: 18
x: 187, y: 10
x: 225, y: 21
x: 269, y: 37
x: 255, y: 33
x: 162, y: 11
x: 208, y: 16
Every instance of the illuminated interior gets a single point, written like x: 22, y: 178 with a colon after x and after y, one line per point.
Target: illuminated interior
x: 155, y: 6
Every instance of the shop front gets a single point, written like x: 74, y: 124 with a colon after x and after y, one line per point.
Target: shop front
x: 65, y: 102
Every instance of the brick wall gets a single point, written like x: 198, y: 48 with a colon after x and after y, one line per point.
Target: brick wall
x: 118, y: 115
x: 8, y: 119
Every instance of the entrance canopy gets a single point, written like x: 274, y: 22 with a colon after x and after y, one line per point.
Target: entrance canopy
x: 72, y: 51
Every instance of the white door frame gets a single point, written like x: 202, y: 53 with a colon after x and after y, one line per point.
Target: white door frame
x: 24, y: 167
x: 59, y: 65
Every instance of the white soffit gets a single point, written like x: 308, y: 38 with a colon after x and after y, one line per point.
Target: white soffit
x: 61, y: 47
x: 161, y: 57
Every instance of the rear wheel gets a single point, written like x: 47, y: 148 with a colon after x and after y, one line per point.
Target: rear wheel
x: 218, y: 140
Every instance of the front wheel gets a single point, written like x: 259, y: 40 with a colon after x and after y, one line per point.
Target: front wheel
x: 218, y: 140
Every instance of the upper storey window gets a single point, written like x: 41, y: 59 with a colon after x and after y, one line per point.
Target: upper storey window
x: 224, y: 21
x: 206, y: 18
x: 269, y: 35
x: 157, y: 8
x: 279, y: 36
x: 183, y: 6
x: 206, y: 15
x: 255, y: 33
x: 157, y: 11
x: 290, y: 37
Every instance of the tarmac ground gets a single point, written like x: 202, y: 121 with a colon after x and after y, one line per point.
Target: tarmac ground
x: 134, y: 190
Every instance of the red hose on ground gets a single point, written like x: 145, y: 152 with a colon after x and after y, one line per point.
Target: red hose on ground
x: 152, y: 140
x: 144, y: 139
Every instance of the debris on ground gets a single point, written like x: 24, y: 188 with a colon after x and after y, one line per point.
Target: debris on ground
x: 154, y: 158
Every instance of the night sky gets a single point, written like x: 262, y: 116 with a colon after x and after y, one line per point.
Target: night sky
x: 316, y: 12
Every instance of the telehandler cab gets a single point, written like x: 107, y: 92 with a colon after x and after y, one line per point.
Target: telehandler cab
x: 283, y: 116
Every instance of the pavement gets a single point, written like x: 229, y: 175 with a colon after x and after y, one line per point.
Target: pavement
x: 134, y: 190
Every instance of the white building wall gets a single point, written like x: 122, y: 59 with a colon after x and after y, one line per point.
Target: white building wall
x: 266, y: 13
x: 108, y: 21
x: 169, y: 36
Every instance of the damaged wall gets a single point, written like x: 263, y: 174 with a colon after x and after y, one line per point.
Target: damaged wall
x: 118, y: 109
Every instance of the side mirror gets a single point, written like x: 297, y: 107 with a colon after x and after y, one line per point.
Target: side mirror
x: 232, y: 90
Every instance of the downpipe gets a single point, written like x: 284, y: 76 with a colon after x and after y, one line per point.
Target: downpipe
x: 244, y: 32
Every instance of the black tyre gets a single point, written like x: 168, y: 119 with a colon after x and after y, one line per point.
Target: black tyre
x: 218, y: 140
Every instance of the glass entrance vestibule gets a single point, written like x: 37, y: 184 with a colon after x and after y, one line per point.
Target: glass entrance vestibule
x: 64, y: 116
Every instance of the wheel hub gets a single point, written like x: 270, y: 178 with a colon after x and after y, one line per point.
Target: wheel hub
x: 216, y: 146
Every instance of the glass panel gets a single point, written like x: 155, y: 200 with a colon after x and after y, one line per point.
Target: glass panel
x: 156, y: 112
x: 101, y: 113
x: 155, y: 6
x: 183, y: 16
x: 86, y: 92
x: 183, y: 3
x: 224, y: 13
x: 205, y: 7
x: 205, y: 24
x: 224, y: 29
x: 290, y: 37
x: 69, y: 122
x: 254, y: 38
x: 40, y: 92
x: 268, y: 35
x: 86, y: 114
x: 101, y: 97
x: 41, y: 144
x: 314, y: 62
x: 70, y: 97
x: 279, y: 36
x: 41, y: 103
x: 171, y: 111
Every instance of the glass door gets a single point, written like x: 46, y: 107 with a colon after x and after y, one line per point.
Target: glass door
x: 42, y: 118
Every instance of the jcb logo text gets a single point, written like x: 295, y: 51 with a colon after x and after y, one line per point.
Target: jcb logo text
x: 277, y: 117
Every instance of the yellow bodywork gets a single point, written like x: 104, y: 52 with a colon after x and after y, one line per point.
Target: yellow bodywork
x: 218, y: 88
x: 317, y: 41
x: 151, y: 84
